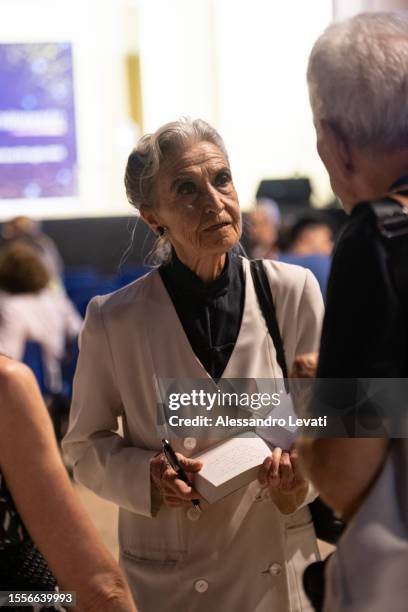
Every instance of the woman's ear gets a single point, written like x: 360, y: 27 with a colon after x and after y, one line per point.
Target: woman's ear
x: 151, y: 219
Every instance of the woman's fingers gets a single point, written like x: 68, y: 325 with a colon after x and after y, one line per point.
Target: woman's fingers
x: 299, y: 475
x: 264, y: 470
x: 189, y: 465
x: 281, y: 470
x: 169, y: 484
x: 269, y: 471
x: 182, y: 490
x: 286, y: 471
x: 294, y: 458
x: 172, y: 485
x: 274, y: 470
x: 158, y: 466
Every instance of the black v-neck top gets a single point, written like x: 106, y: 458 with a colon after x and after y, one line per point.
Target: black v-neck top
x: 210, y: 313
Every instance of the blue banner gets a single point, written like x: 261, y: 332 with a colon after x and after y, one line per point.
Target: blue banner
x: 38, y: 154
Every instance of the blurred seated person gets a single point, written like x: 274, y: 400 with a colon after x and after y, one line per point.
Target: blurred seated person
x: 31, y: 311
x: 309, y: 244
x: 262, y: 225
x: 38, y: 504
x: 310, y: 236
x: 28, y: 230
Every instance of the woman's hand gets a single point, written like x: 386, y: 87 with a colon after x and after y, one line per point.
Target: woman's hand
x: 175, y: 492
x: 281, y: 472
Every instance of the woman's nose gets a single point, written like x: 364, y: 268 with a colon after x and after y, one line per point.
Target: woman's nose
x: 212, y: 200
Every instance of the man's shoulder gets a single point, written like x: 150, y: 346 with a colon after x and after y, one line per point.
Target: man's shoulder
x: 360, y: 223
x: 359, y: 240
x: 372, y: 235
x: 376, y: 221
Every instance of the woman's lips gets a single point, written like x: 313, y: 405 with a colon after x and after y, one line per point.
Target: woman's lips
x: 218, y: 226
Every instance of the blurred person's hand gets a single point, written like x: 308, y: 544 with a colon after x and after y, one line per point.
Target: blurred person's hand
x: 305, y: 366
x: 301, y: 386
x: 282, y: 474
x: 343, y: 469
x: 175, y: 492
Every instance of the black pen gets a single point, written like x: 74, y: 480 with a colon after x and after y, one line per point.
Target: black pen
x: 175, y: 464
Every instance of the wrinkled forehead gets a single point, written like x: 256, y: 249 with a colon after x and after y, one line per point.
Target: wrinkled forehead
x: 194, y: 157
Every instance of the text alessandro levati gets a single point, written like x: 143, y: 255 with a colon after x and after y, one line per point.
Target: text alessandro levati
x: 251, y: 401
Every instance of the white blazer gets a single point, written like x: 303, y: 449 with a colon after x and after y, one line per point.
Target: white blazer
x: 241, y: 553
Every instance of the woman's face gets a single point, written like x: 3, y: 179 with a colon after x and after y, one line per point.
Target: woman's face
x: 195, y: 199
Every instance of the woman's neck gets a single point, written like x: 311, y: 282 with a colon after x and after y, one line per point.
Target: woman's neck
x: 208, y: 268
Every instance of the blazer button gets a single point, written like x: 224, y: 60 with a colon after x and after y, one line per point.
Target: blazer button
x: 201, y: 586
x: 275, y: 569
x: 193, y: 513
x: 190, y: 443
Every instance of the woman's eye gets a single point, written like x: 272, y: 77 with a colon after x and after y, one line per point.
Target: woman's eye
x: 186, y: 188
x: 222, y: 179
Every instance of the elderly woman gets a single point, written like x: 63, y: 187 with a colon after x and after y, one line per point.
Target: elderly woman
x: 197, y: 317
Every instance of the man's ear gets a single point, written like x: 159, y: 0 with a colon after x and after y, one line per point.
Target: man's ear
x: 331, y: 142
x: 151, y: 219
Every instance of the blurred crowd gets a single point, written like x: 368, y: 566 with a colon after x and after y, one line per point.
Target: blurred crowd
x: 304, y: 239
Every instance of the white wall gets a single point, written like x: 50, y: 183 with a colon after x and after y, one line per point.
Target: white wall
x: 264, y: 115
x: 241, y: 66
x: 348, y: 8
x: 175, y: 43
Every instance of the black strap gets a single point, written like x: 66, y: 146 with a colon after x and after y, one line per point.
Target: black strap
x: 267, y: 306
x: 392, y: 218
x: 392, y: 223
x: 327, y: 526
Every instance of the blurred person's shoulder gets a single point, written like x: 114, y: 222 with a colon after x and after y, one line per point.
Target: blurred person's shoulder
x: 13, y: 374
x: 17, y: 305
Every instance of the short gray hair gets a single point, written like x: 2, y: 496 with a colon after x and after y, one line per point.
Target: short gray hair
x: 153, y: 149
x: 358, y: 79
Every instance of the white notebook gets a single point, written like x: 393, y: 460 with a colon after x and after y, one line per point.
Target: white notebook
x: 230, y: 465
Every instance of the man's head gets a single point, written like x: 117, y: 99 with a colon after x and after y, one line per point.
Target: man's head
x: 358, y: 86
